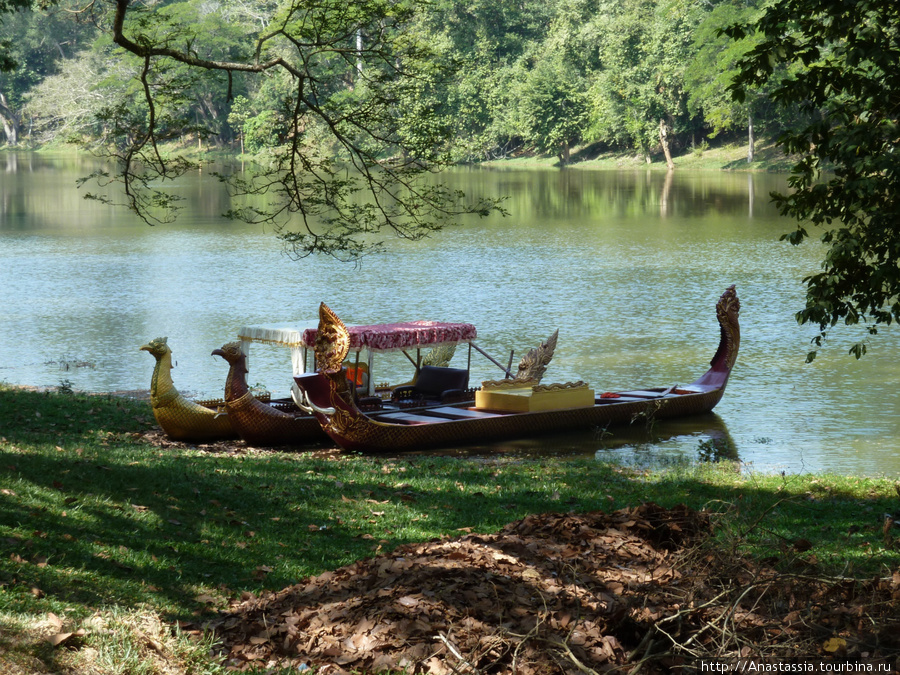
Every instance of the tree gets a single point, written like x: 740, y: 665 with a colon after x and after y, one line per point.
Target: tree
x: 490, y: 45
x: 713, y: 69
x: 32, y: 45
x: 7, y: 59
x: 353, y: 69
x: 639, y: 97
x: 842, y: 58
x: 554, y: 106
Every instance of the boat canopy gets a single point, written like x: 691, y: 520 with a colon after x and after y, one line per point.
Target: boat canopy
x: 384, y: 337
x: 285, y: 336
x: 389, y: 337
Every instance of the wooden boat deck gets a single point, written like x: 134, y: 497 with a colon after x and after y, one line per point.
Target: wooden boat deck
x: 453, y: 413
x: 434, y: 415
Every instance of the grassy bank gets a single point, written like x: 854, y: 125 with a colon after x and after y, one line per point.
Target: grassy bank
x: 103, y: 532
x: 719, y: 155
x: 722, y: 156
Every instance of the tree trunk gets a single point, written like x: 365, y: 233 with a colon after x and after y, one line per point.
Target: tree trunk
x: 751, y: 142
x: 564, y: 154
x: 10, y: 122
x: 664, y: 140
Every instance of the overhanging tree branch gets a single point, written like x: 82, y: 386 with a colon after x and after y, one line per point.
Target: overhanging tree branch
x: 385, y: 124
x: 841, y: 61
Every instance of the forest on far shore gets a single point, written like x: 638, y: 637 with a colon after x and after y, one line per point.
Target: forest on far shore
x: 511, y: 77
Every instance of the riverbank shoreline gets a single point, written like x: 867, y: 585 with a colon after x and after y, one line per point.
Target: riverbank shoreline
x: 727, y: 156
x: 724, y: 155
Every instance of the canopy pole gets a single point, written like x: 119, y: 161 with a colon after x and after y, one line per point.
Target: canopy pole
x: 371, y: 356
x: 509, y: 366
x: 491, y: 359
x: 411, y: 360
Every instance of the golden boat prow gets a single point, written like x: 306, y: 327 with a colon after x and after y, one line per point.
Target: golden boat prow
x: 505, y: 409
x: 180, y: 418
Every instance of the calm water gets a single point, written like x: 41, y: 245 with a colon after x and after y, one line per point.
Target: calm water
x: 628, y: 265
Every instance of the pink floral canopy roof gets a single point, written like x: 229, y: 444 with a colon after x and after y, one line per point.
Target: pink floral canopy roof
x: 410, y: 334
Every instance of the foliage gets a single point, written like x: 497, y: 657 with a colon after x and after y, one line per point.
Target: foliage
x: 713, y: 68
x: 646, y: 46
x: 841, y: 58
x: 8, y: 62
x: 350, y: 69
x: 554, y: 107
x: 33, y: 45
x: 486, y: 80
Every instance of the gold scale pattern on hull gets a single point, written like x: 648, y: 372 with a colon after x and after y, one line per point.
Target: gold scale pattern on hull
x: 257, y: 422
x: 180, y: 418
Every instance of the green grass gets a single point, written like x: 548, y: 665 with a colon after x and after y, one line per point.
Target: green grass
x: 723, y: 156
x: 97, y: 525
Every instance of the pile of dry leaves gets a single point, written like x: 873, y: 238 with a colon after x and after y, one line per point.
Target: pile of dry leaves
x: 631, y: 591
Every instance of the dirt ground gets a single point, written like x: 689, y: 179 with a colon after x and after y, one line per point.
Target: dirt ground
x: 639, y: 590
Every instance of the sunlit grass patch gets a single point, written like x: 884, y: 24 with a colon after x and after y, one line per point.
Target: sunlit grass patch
x: 112, y: 641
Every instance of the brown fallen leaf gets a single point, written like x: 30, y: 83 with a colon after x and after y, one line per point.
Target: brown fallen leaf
x: 59, y: 638
x: 549, y: 593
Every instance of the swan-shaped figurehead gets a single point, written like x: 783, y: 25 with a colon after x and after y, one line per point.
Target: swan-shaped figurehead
x: 256, y: 422
x: 181, y: 419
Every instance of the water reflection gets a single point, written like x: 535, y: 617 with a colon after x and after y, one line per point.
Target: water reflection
x: 683, y: 442
x: 576, y: 193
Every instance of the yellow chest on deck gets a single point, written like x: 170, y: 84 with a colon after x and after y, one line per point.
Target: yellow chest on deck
x: 525, y: 398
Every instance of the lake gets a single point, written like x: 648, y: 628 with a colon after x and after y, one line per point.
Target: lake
x: 627, y: 264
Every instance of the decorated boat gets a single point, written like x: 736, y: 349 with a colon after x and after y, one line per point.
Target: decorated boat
x: 261, y: 420
x: 501, y: 409
x: 181, y: 418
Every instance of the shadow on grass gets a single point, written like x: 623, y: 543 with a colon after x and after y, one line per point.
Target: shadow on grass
x: 89, y: 514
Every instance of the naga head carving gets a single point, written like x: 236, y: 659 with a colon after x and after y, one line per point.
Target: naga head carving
x: 332, y: 342
x: 728, y: 309
x: 729, y: 305
x: 534, y: 364
x: 157, y: 347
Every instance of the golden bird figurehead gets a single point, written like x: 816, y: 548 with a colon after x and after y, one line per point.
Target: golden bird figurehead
x: 157, y: 347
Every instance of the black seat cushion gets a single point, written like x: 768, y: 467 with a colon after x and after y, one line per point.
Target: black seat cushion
x: 434, y: 381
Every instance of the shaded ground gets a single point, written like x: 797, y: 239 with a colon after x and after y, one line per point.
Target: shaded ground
x: 636, y: 590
